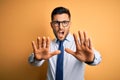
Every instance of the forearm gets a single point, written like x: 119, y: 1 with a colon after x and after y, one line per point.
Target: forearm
x: 35, y: 62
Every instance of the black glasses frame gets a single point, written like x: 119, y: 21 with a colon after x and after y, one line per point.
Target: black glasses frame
x: 57, y: 23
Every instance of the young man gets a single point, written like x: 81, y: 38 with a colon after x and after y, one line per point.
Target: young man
x: 66, y: 55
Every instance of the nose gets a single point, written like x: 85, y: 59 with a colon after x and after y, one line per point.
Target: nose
x: 61, y: 26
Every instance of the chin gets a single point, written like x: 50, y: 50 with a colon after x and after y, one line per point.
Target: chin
x: 60, y: 38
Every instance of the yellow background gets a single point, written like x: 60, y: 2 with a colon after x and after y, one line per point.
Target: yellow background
x: 21, y: 21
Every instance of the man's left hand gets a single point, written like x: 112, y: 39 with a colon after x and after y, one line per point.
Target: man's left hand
x: 84, y: 51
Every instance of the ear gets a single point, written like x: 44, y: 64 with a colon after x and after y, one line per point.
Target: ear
x: 51, y: 24
x: 70, y: 23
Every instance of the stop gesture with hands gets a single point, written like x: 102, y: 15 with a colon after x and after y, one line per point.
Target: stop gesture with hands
x: 84, y: 50
x: 41, y: 51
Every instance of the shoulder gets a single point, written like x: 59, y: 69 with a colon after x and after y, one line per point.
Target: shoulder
x: 53, y: 42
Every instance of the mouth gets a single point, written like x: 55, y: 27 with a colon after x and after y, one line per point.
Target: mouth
x: 61, y: 34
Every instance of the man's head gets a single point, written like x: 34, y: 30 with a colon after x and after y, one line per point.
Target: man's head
x: 60, y: 22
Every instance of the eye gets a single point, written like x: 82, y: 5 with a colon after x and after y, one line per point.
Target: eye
x: 55, y: 23
x: 65, y: 22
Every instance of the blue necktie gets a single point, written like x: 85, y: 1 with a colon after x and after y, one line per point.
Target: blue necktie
x: 59, y: 66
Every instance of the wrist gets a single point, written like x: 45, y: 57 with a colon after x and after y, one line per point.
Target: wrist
x: 35, y: 58
x: 90, y: 62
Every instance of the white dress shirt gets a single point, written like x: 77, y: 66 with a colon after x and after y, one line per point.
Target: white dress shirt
x: 73, y: 68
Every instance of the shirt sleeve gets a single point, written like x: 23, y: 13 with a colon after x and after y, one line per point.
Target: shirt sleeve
x: 33, y: 61
x: 97, y: 58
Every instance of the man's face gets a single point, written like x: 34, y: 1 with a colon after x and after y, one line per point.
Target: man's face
x: 61, y: 25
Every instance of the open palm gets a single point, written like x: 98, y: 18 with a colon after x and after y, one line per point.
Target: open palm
x: 41, y: 51
x: 84, y: 50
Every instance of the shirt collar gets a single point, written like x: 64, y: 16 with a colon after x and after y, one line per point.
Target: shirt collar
x: 69, y: 37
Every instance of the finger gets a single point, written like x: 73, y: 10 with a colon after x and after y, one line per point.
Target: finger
x: 43, y: 42
x: 48, y: 42
x: 55, y: 53
x: 81, y: 37
x: 34, y: 46
x: 86, y: 42
x: 90, y: 43
x: 85, y: 36
x: 76, y: 40
x: 39, y: 42
x: 69, y: 51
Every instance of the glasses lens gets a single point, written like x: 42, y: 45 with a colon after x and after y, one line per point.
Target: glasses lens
x: 55, y: 23
x: 65, y: 23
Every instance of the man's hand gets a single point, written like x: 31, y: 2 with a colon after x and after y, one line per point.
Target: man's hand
x: 84, y: 50
x: 41, y: 51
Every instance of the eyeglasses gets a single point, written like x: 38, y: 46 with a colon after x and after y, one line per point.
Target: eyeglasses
x: 57, y: 23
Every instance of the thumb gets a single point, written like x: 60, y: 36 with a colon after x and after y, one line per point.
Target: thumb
x: 55, y: 52
x: 69, y: 51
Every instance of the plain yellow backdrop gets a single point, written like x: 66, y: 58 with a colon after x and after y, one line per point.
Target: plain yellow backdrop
x: 22, y: 21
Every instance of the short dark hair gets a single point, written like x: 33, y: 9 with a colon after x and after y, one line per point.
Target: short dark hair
x: 60, y: 10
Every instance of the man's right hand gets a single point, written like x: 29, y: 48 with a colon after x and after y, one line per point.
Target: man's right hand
x: 41, y: 51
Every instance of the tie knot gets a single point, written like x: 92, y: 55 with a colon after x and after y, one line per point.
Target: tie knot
x: 61, y: 42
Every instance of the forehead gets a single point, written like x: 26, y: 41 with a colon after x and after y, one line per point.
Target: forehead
x: 60, y: 17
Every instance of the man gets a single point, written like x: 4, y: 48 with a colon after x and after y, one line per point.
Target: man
x: 73, y: 55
